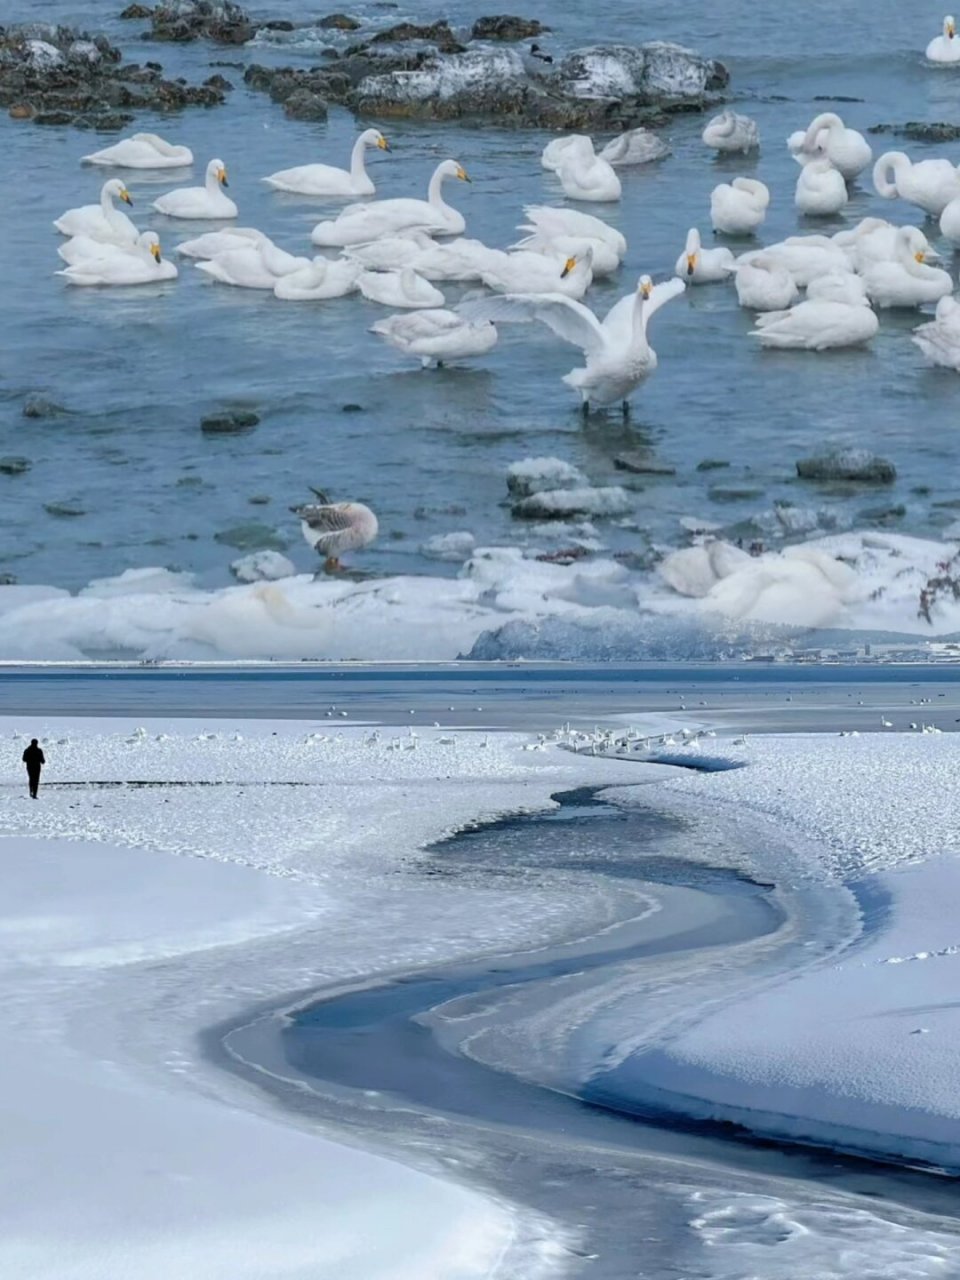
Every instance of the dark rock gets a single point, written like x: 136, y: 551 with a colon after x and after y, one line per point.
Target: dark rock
x: 304, y: 105
x: 180, y: 21
x: 218, y: 82
x: 137, y: 11
x: 505, y: 26
x: 229, y: 422
x: 883, y: 515
x: 641, y: 465
x: 8, y: 579
x: 251, y: 537
x: 920, y: 130
x: 338, y: 22
x: 11, y: 465
x: 437, y: 33
x: 712, y: 464
x: 847, y: 464
x: 835, y: 97
x: 734, y: 493
x: 259, y: 500
x: 277, y: 24
x: 64, y: 509
x: 38, y: 405
x: 351, y: 408
x: 55, y: 75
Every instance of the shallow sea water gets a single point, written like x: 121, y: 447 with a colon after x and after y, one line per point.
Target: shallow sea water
x: 139, y: 368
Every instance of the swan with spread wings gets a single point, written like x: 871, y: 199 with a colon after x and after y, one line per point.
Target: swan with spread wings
x: 618, y: 354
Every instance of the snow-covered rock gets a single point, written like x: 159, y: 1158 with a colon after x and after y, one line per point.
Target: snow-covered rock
x: 262, y: 566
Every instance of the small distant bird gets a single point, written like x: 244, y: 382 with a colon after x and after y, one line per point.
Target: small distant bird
x: 535, y: 52
x: 885, y: 723
x: 334, y: 527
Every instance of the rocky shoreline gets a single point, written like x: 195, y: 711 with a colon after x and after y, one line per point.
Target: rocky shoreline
x: 55, y: 75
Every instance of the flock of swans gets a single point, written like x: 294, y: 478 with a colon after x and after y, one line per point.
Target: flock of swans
x: 812, y: 292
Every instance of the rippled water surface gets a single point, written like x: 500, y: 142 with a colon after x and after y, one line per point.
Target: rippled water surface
x: 139, y: 368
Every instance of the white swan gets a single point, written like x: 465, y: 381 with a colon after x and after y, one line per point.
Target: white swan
x: 525, y: 272
x: 258, y: 266
x: 950, y: 222
x: 321, y: 279
x: 207, y: 201
x: 737, y: 208
x: 805, y: 257
x: 103, y: 221
x: 212, y: 243
x: 79, y: 248
x: 605, y: 260
x: 929, y: 184
x: 361, y: 223
x: 763, y: 284
x: 697, y: 265
x: 548, y: 221
x: 821, y: 190
x: 907, y: 281
x: 879, y: 244
x: 142, y: 151
x: 556, y: 150
x: 403, y: 288
x: 945, y: 47
x: 635, y: 147
x: 123, y: 265
x: 460, y: 259
x: 401, y: 250
x: 846, y: 149
x: 836, y: 315
x: 435, y: 337
x: 326, y: 180
x: 618, y: 355
x: 939, y: 339
x: 584, y: 175
x: 730, y: 132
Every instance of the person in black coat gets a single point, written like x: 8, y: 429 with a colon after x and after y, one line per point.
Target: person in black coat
x: 34, y: 759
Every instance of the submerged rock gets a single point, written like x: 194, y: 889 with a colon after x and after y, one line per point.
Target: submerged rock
x: 55, y: 75
x: 437, y: 33
x: 13, y: 465
x: 252, y: 536
x: 229, y: 422
x: 642, y: 465
x: 505, y: 26
x: 921, y: 130
x: 847, y: 464
x: 64, y: 508
x: 38, y: 405
x: 337, y: 22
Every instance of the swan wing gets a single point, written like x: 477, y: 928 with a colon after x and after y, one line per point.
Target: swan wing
x: 567, y: 318
x: 660, y: 294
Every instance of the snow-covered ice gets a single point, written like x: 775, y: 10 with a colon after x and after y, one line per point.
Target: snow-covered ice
x: 706, y: 601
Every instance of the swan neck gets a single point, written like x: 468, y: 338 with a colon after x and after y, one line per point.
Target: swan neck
x: 212, y: 182
x: 358, y: 168
x: 435, y: 191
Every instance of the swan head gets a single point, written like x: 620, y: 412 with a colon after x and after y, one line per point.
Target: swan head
x: 374, y: 138
x: 644, y: 287
x: 568, y: 266
x: 116, y: 188
x: 452, y: 169
x: 217, y: 169
x: 692, y: 250
x: 151, y: 242
x: 949, y: 26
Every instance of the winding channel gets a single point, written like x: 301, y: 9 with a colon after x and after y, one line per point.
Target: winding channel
x: 391, y: 1063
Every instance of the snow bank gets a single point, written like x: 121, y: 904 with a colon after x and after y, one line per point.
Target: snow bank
x: 247, y: 861
x: 859, y: 1050
x: 711, y: 599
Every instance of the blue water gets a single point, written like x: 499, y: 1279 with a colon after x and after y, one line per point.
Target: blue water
x: 139, y: 368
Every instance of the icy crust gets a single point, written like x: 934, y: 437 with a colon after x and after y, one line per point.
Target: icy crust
x: 860, y: 1053
x: 711, y: 600
x: 115, y: 953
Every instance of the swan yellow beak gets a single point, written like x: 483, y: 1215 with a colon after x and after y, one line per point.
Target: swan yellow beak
x: 155, y: 250
x: 125, y: 196
x: 951, y: 30
x: 645, y: 289
x: 382, y: 143
x: 462, y: 174
x: 691, y: 263
x: 920, y: 256
x: 222, y: 178
x: 568, y: 267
